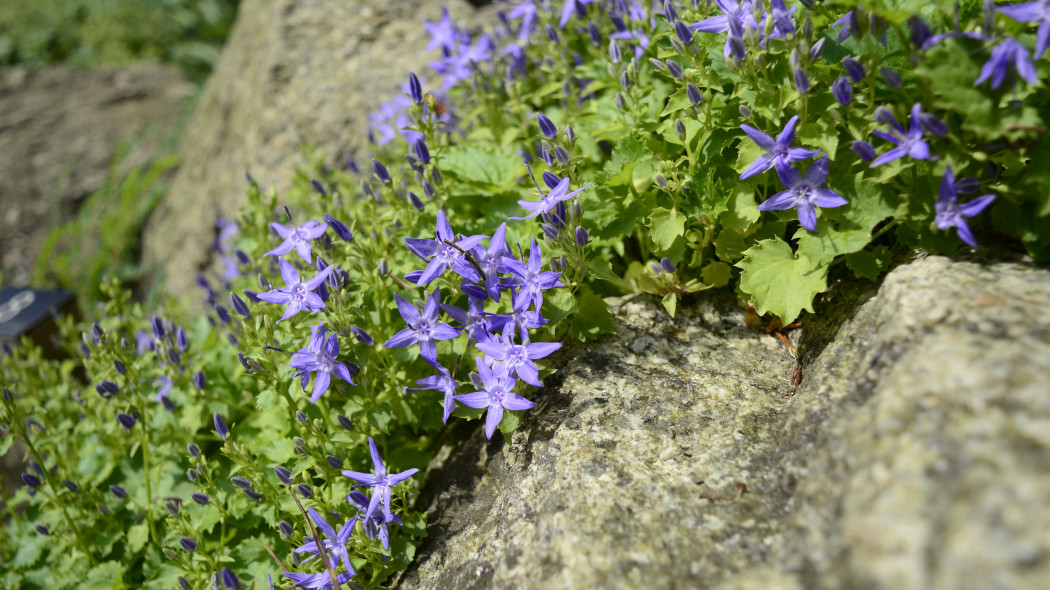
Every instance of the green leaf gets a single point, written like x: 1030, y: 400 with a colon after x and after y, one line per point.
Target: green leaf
x: 828, y: 243
x: 558, y: 304
x: 666, y: 226
x: 107, y: 575
x: 676, y: 102
x: 822, y: 133
x: 380, y: 417
x: 743, y: 210
x: 137, y: 536
x: 511, y: 421
x: 779, y: 281
x: 717, y: 274
x: 620, y: 169
x: 494, y: 169
x: 593, y: 317
x: 870, y: 264
x: 670, y: 303
x: 266, y: 399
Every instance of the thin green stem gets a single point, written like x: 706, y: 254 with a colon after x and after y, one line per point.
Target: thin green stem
x: 144, y: 443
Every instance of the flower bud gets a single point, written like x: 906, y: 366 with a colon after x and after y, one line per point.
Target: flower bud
x: 422, y: 152
x: 188, y: 544
x: 119, y: 366
x: 345, y: 422
x: 967, y: 185
x: 547, y: 127
x: 843, y: 91
x: 220, y: 423
x: 302, y: 417
x: 339, y: 228
x: 285, y: 528
x: 693, y: 93
x: 118, y: 491
x: 621, y: 104
x: 581, y: 236
x: 679, y: 128
x: 254, y: 495
x: 667, y: 265
x: 42, y: 530
x: 381, y: 172
x: 415, y: 89
x: 817, y: 51
x: 614, y: 51
x: 125, y: 420
x: 674, y: 69
x: 71, y: 486
x: 318, y: 187
x: 892, y: 78
x: 683, y: 33
x: 334, y: 462
x: 304, y: 490
x: 284, y: 475
x: 241, y: 482
x: 31, y: 480
x: 657, y: 64
x: 801, y: 81
x: 864, y: 150
x: 200, y: 498
x: 199, y: 380
x: 229, y: 579
x: 193, y: 450
x: 173, y: 509
x: 191, y: 474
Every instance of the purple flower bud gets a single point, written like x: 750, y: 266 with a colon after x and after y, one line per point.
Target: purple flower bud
x: 381, y: 171
x: 96, y: 331
x: 118, y: 491
x: 224, y: 316
x: 344, y: 422
x: 674, y: 69
x: 621, y: 103
x: 817, y: 51
x: 745, y: 112
x: 414, y: 199
x: 340, y: 230
x: 683, y: 33
x: 241, y: 482
x: 854, y: 69
x: 614, y: 51
x: 801, y: 81
x: 679, y: 128
x: 229, y: 579
x: 547, y: 127
x: 595, y: 34
x: 843, y: 91
x: 220, y: 424
x: 125, y: 420
x: 240, y: 306
x: 667, y: 265
x: 351, y: 164
x: 173, y: 508
x: 188, y: 544
x: 550, y: 231
x: 31, y: 480
x: 180, y: 339
x: 570, y: 134
x: 158, y: 327
x: 552, y: 34
x: 967, y: 185
x: 193, y: 450
x: 550, y: 179
x: 864, y: 150
x: 119, y: 366
x: 669, y: 11
x: 200, y: 498
x: 546, y: 155
x: 415, y: 89
x: 920, y: 32
x: 656, y: 268
x: 42, y: 530
x: 793, y: 58
x: 435, y: 174
x: 420, y: 147
x: 561, y: 154
x: 304, y: 490
x: 932, y: 124
x: 736, y: 46
x: 285, y: 528
x: 428, y: 189
x: 693, y: 93
x: 657, y: 64
x: 30, y: 422
x: 192, y: 474
x: 559, y: 215
x: 199, y: 379
x: 254, y: 495
x: 625, y: 80
x: 283, y: 474
x: 581, y: 236
x: 892, y: 78
x: 334, y: 462
x: 71, y: 486
x: 317, y: 186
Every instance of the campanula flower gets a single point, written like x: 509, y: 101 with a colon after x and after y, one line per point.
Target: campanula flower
x: 377, y: 525
x: 1006, y: 55
x: 490, y: 260
x: 1032, y: 12
x: 569, y: 7
x: 298, y: 294
x: 319, y: 358
x: 842, y: 90
x: 423, y: 328
x: 951, y: 214
x: 318, y: 581
x: 778, y: 151
x: 220, y: 426
x: 738, y: 16
x: 909, y: 142
x: 334, y: 546
x: 804, y: 193
x: 550, y: 200
x: 517, y: 358
x: 530, y: 279
x: 444, y: 33
x: 497, y: 395
x: 442, y: 382
x: 380, y: 481
x: 297, y: 238
x: 445, y: 254
x: 522, y: 318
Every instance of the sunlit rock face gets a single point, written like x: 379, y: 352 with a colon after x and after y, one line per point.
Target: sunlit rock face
x: 915, y: 452
x: 292, y: 72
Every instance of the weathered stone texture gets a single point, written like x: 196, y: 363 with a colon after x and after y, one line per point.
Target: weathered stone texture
x: 915, y: 453
x: 59, y: 131
x: 292, y: 71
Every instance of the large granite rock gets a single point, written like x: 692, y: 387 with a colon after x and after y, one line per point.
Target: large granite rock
x: 914, y: 454
x: 292, y: 71
x: 59, y: 131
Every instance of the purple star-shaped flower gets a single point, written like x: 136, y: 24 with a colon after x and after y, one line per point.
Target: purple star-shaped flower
x: 319, y: 358
x: 523, y: 319
x: 491, y: 261
x: 444, y: 255
x: 776, y: 151
x: 531, y: 280
x: 549, y: 201
x: 297, y: 294
x: 909, y: 142
x: 517, y: 358
x: 804, y: 193
x: 297, y: 238
x: 442, y: 382
x: 444, y: 33
x: 569, y: 7
x: 380, y: 481
x: 474, y: 320
x: 741, y: 13
x: 497, y: 396
x: 377, y: 525
x: 1006, y: 54
x: 334, y: 546
x: 951, y: 214
x: 1031, y: 12
x: 319, y: 581
x: 423, y: 329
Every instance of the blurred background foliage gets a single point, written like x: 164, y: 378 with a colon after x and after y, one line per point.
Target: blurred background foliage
x: 96, y: 33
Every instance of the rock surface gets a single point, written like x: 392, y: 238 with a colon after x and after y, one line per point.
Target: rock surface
x: 59, y: 131
x: 292, y: 71
x: 915, y: 453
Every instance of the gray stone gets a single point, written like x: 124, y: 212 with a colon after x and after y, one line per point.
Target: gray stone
x: 914, y: 454
x: 292, y: 71
x: 59, y: 131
